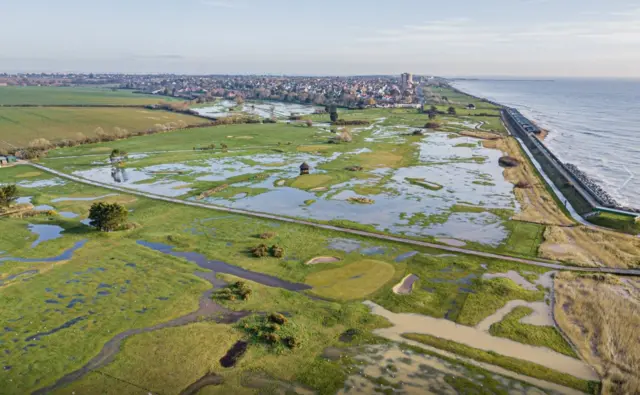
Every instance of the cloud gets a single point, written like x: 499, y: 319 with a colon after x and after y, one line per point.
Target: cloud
x: 224, y: 4
x: 622, y: 28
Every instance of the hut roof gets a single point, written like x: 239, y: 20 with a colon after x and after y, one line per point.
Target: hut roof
x: 304, y: 166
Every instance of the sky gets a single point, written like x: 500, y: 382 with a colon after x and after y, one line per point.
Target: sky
x: 507, y: 38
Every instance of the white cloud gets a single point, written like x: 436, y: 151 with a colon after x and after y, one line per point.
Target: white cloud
x: 613, y: 28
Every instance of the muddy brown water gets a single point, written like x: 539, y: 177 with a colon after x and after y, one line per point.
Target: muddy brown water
x: 207, y: 308
x: 473, y: 337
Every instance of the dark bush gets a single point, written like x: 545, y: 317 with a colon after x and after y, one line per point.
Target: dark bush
x: 432, y: 125
x: 354, y: 168
x: 508, y: 161
x: 523, y: 185
x: 292, y: 342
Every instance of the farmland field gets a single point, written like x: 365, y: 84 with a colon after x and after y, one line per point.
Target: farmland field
x: 20, y: 125
x: 49, y: 96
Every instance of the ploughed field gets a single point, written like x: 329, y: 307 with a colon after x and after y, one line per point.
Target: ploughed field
x: 20, y: 126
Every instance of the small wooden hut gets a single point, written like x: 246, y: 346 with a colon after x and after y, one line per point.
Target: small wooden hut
x: 304, y: 168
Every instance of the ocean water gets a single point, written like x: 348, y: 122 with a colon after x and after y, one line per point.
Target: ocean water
x: 592, y: 123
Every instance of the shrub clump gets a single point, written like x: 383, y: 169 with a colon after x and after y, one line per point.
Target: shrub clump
x: 271, y: 338
x: 274, y: 330
x: 277, y: 251
x: 277, y: 318
x: 267, y: 235
x: 237, y: 290
x: 523, y: 185
x: 354, y: 168
x: 262, y: 251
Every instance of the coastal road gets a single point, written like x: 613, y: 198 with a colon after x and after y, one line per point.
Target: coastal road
x: 459, y: 250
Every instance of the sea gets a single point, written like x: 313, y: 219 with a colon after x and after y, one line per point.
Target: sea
x: 592, y: 123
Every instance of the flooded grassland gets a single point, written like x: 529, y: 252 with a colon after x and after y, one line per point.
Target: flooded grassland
x: 439, y: 185
x: 150, y: 307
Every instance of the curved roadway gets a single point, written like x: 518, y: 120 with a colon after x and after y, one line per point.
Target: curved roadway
x: 550, y: 265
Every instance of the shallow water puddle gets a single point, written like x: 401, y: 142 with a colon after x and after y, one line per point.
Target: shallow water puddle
x: 45, y: 233
x: 223, y: 267
x: 389, y: 369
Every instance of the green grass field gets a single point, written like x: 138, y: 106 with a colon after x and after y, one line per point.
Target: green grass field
x: 543, y: 336
x: 21, y: 125
x: 146, y: 287
x: 51, y: 96
x: 622, y: 223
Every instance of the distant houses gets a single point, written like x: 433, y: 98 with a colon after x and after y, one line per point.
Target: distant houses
x: 7, y: 160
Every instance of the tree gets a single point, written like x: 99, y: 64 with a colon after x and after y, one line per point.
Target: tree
x: 40, y: 143
x: 309, y: 123
x: 333, y: 113
x: 451, y: 111
x: 8, y: 195
x: 432, y: 114
x: 108, y: 217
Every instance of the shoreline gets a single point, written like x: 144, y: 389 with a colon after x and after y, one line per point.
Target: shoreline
x: 592, y: 187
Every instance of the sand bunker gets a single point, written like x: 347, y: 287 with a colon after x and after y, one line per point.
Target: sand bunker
x: 451, y: 242
x: 541, y: 315
x: 473, y: 337
x: 405, y: 286
x: 322, y: 259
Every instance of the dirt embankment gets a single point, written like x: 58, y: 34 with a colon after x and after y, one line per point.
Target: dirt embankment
x: 591, y: 247
x: 601, y: 315
x: 537, y: 204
